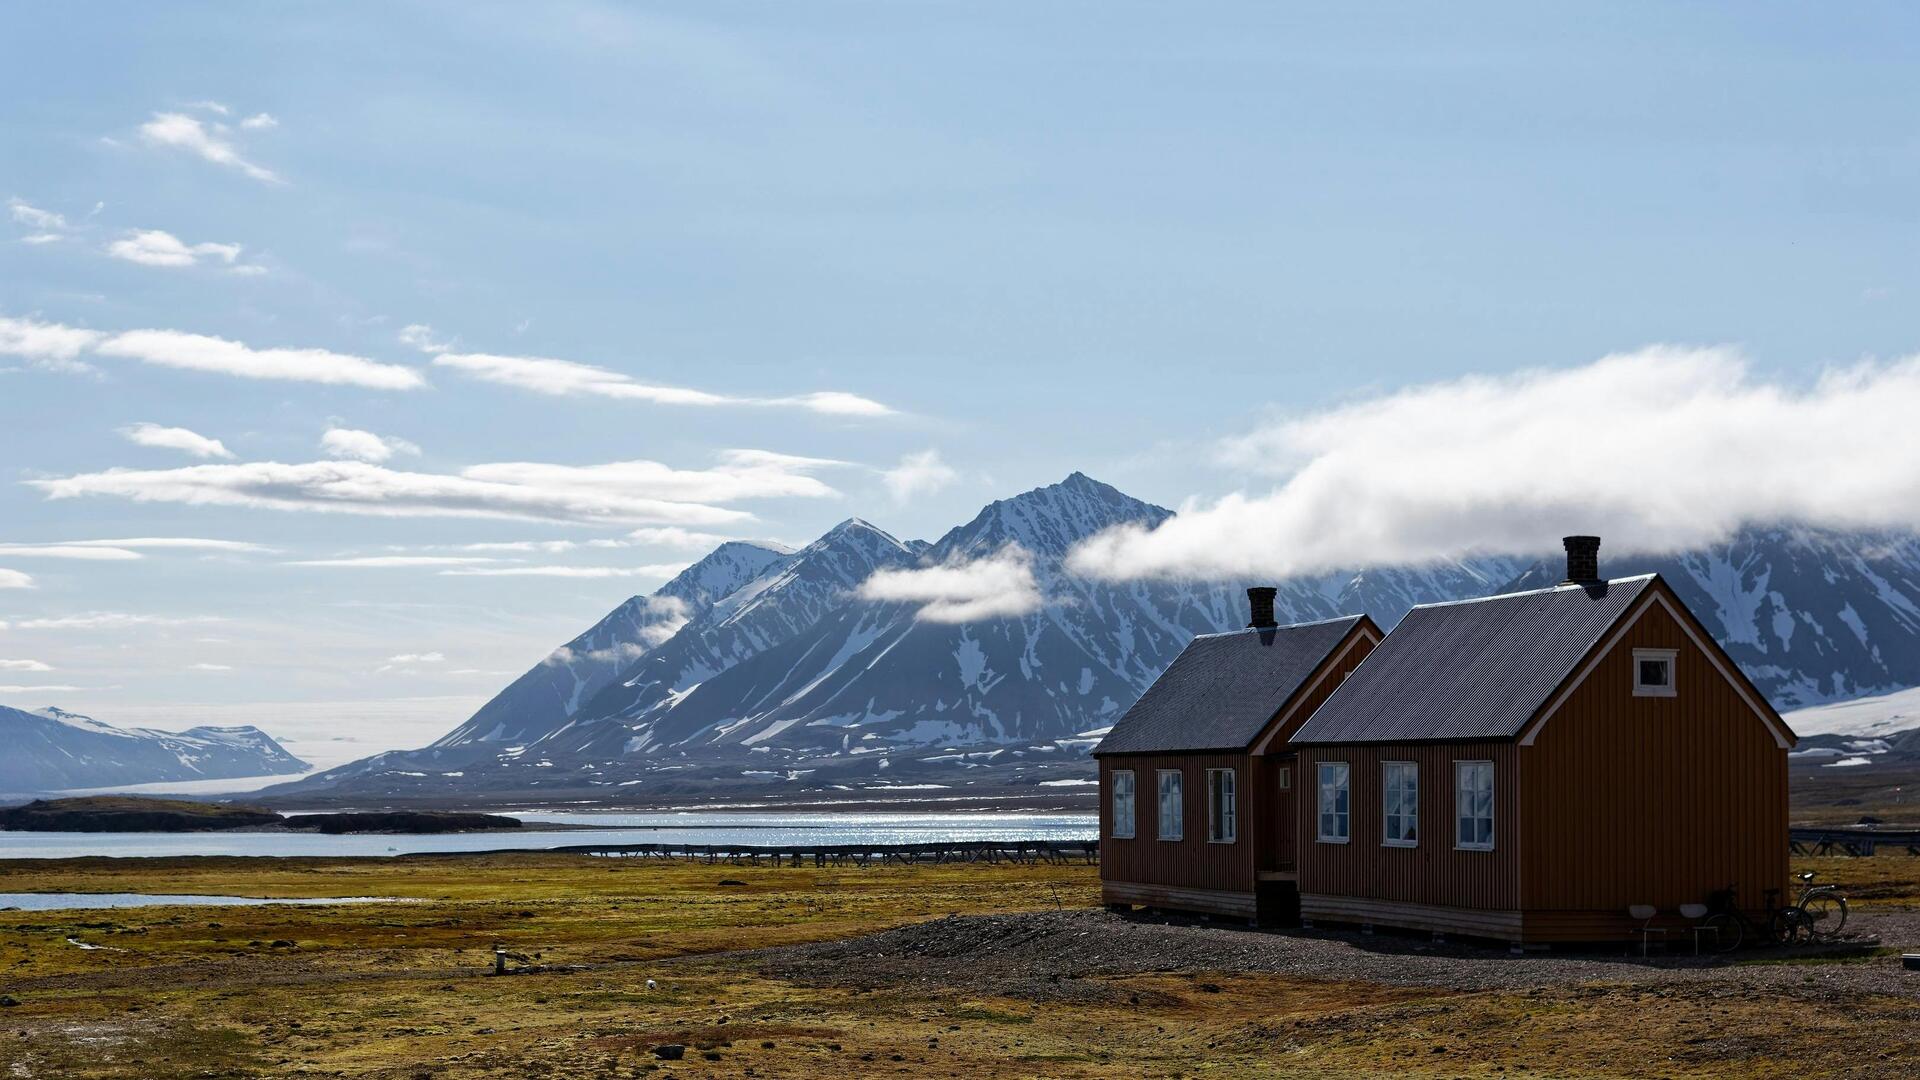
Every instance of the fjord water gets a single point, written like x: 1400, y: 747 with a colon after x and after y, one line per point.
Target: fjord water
x: 695, y: 828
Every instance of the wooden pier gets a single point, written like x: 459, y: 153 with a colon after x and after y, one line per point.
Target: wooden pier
x: 1856, y: 841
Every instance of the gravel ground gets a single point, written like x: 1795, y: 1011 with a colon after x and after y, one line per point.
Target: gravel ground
x: 1063, y: 955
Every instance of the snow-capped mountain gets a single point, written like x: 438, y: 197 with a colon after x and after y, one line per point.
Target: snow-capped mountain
x: 52, y: 750
x: 554, y: 689
x: 792, y: 680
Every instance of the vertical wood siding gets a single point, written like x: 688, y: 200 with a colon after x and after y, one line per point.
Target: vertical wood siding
x: 1433, y: 871
x: 1650, y: 800
x: 1191, y: 862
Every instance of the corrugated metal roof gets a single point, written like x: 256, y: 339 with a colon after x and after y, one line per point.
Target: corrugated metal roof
x: 1471, y: 669
x: 1219, y: 693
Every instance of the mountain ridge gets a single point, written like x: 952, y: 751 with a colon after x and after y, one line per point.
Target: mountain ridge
x: 51, y: 749
x: 793, y: 682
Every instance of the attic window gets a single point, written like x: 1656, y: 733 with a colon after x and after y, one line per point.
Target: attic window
x: 1653, y: 672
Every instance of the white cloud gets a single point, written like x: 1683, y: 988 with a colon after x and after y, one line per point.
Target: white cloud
x: 24, y: 665
x: 191, y: 543
x: 417, y: 658
x: 175, y: 438
x: 525, y: 493
x: 199, y: 352
x: 259, y: 122
x: 12, y: 689
x: 394, y: 561
x: 156, y: 247
x: 211, y: 106
x: 83, y: 552
x: 566, y: 378
x: 1656, y: 450
x: 741, y: 474
x: 1000, y: 585
x: 681, y: 539
x: 364, y: 445
x: 44, y: 221
x: 420, y: 336
x: 209, y: 667
x: 549, y: 546
x: 110, y: 620
x: 918, y: 474
x: 48, y: 345
x: 15, y: 579
x: 182, y: 132
x: 657, y: 570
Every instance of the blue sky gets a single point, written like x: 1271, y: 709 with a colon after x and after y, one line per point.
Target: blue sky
x: 1026, y: 239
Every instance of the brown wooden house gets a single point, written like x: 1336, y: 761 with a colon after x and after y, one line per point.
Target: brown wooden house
x: 1197, y: 782
x: 1527, y: 767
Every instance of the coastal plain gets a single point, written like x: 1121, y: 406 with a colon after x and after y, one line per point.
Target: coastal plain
x: 1007, y: 970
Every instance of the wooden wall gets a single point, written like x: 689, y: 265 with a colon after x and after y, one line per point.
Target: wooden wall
x: 1432, y: 873
x: 1191, y: 862
x: 1649, y: 800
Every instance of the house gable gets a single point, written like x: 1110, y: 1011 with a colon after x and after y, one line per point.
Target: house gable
x: 1660, y: 597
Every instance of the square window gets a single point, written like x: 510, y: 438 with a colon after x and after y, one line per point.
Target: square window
x: 1653, y: 672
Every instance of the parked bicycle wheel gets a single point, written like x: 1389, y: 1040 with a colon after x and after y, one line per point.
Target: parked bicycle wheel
x: 1786, y: 926
x: 1825, y: 914
x: 1725, y: 932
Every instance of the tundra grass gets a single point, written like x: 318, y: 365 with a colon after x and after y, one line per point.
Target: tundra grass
x: 396, y: 990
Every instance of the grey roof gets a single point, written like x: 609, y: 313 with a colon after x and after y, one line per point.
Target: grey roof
x: 1471, y: 669
x: 1219, y: 693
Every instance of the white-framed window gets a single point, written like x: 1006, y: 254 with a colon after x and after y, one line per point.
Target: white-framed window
x: 1123, y: 800
x: 1336, y: 792
x: 1473, y: 805
x: 1653, y: 672
x: 1223, y: 808
x: 1400, y: 803
x: 1171, y: 810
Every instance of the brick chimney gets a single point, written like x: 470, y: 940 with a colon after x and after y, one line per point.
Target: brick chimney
x: 1260, y: 599
x: 1583, y: 560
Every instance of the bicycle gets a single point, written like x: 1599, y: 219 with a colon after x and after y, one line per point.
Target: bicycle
x: 1730, y: 926
x: 1821, y: 912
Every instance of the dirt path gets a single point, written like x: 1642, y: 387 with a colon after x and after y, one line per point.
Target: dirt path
x: 1061, y: 955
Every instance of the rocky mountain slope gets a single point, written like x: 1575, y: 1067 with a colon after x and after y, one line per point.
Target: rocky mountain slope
x: 52, y: 750
x: 791, y: 682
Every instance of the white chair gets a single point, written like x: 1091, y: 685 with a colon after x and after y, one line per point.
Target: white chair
x: 1645, y: 914
x: 1694, y: 913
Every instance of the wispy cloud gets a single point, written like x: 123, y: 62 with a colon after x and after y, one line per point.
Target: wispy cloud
x: 16, y: 689
x: 566, y: 378
x: 918, y: 474
x: 211, y: 142
x: 15, y: 579
x: 417, y: 658
x: 24, y: 665
x: 583, y: 495
x: 1001, y: 585
x: 420, y: 336
x: 81, y: 552
x: 393, y: 562
x: 156, y: 247
x: 47, y: 345
x: 44, y: 226
x: 175, y: 438
x: 364, y: 445
x: 200, y: 352
x: 1658, y: 450
x: 209, y: 667
x: 682, y: 539
x: 657, y: 570
x: 187, y: 543
x: 110, y: 620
